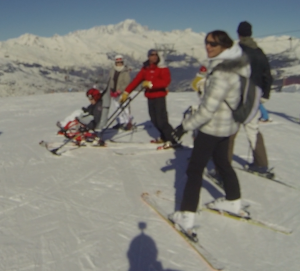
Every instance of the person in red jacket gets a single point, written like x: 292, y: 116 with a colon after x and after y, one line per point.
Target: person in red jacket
x: 155, y: 78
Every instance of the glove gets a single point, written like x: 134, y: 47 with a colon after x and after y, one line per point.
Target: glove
x: 115, y: 94
x: 178, y: 133
x: 198, y: 83
x: 83, y: 129
x: 84, y: 109
x: 124, y: 97
x: 147, y: 84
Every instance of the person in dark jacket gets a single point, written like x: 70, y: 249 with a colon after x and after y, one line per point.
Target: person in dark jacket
x: 155, y: 78
x: 95, y: 110
x: 261, y: 76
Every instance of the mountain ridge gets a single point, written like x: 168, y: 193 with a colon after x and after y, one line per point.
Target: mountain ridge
x: 51, y: 62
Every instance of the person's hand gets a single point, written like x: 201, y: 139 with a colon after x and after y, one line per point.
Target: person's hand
x: 84, y: 109
x: 124, y: 97
x: 198, y: 83
x: 147, y: 84
x: 178, y: 132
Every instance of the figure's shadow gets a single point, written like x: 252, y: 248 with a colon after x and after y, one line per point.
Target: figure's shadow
x: 285, y: 116
x: 0, y: 133
x: 150, y: 129
x: 142, y: 253
x: 240, y: 160
x: 180, y: 164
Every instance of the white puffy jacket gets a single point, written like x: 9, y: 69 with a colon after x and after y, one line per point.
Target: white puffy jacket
x: 213, y: 116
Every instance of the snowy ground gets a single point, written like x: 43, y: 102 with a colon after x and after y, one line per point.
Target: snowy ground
x: 83, y: 210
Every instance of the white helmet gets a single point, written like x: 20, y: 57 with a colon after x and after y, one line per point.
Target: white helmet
x: 119, y: 58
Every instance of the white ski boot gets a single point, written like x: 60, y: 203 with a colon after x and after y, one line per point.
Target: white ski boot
x: 184, y: 221
x: 230, y: 206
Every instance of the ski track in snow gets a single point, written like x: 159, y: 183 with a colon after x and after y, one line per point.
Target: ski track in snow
x: 83, y: 210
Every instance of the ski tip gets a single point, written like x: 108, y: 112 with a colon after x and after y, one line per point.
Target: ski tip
x: 144, y: 195
x: 55, y: 153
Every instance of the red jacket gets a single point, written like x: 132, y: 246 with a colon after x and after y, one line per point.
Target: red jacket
x: 158, y: 75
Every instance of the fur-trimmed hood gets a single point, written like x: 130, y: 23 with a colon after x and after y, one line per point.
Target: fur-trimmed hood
x: 231, y: 60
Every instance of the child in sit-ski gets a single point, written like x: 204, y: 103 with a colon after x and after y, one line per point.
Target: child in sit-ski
x: 88, y: 118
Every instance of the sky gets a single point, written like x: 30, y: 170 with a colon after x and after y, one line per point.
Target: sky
x: 47, y: 18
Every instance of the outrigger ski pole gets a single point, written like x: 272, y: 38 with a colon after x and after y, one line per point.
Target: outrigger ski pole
x: 54, y: 151
x: 122, y: 107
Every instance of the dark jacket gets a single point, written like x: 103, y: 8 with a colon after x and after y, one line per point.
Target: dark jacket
x: 94, y: 110
x: 260, y: 68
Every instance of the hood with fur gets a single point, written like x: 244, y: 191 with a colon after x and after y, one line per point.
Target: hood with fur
x: 231, y: 60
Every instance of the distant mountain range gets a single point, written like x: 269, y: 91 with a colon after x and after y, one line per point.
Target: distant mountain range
x: 31, y: 64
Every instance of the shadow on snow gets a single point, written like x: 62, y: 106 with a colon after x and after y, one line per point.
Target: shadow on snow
x: 142, y: 253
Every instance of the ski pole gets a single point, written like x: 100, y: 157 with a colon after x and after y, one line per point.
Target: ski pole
x: 120, y: 110
x: 54, y: 151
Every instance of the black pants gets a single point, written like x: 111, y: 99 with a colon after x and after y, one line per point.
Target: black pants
x: 159, y: 117
x: 205, y: 147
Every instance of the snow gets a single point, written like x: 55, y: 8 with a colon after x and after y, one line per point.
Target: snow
x: 291, y: 88
x: 83, y: 211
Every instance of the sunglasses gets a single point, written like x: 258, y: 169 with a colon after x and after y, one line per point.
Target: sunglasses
x: 212, y: 43
x: 119, y: 62
x: 153, y: 54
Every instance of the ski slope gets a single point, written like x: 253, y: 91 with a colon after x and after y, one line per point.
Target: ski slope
x: 83, y: 210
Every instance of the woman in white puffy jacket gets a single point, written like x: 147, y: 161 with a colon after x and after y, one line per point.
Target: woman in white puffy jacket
x: 215, y: 123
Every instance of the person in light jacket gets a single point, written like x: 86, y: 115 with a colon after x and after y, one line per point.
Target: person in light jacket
x: 119, y: 78
x: 215, y: 123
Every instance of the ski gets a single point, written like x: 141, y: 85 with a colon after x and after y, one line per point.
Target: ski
x: 246, y: 217
x: 128, y: 142
x: 147, y: 149
x: 213, y: 263
x: 170, y: 146
x: 269, y: 176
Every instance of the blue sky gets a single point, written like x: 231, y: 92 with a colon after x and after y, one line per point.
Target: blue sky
x: 48, y: 17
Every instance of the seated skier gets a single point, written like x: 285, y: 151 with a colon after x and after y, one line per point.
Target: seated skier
x: 80, y: 122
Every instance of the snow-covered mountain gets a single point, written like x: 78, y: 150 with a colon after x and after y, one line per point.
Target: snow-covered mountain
x: 32, y: 64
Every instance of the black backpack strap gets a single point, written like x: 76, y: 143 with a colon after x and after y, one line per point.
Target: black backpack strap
x: 244, y: 82
x: 228, y: 105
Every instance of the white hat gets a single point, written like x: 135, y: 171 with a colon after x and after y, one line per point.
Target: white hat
x: 119, y: 58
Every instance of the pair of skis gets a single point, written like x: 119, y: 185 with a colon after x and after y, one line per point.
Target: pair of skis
x: 208, y: 258
x: 58, y: 150
x: 192, y: 239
